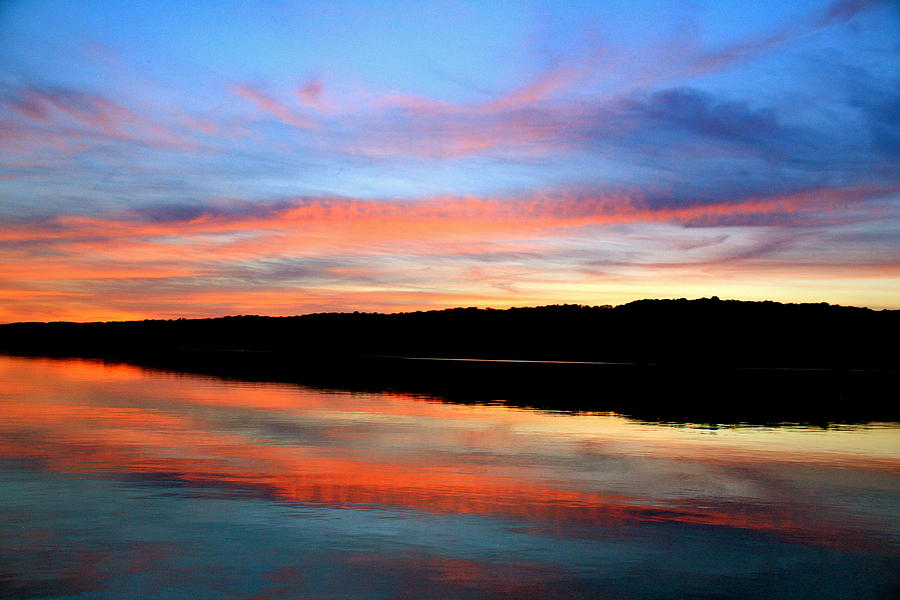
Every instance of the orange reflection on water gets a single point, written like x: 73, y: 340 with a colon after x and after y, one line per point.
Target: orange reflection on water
x: 367, y: 450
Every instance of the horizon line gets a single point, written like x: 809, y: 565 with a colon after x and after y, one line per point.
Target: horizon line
x: 449, y: 308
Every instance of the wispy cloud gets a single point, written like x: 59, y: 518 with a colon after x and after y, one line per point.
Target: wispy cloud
x: 77, y: 115
x: 269, y: 104
x: 836, y: 12
x: 492, y: 247
x: 438, y: 215
x: 311, y: 93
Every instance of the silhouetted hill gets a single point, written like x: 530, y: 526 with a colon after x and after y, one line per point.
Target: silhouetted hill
x: 704, y: 332
x: 700, y: 361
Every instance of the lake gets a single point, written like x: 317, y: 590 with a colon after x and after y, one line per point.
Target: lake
x: 118, y: 482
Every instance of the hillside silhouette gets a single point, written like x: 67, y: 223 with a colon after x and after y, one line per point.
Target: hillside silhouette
x: 705, y: 361
x: 707, y: 331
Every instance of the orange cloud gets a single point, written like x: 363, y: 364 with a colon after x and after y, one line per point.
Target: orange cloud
x: 336, y: 222
x: 376, y: 255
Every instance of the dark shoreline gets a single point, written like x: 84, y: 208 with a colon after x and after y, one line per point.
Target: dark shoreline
x: 678, y: 394
x: 703, y: 361
x: 707, y: 331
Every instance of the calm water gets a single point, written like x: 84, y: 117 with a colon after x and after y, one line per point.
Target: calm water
x: 121, y: 483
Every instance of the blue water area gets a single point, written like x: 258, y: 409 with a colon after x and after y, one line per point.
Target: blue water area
x: 118, y: 482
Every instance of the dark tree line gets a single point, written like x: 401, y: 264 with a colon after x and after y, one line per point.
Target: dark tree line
x: 670, y: 332
x: 707, y: 360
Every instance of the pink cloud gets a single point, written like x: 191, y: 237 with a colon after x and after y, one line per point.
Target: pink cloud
x: 380, y: 256
x: 332, y: 223
x: 544, y: 86
x: 271, y: 105
x: 310, y: 93
x: 66, y: 119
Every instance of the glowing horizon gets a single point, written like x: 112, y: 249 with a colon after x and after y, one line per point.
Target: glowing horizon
x: 206, y: 160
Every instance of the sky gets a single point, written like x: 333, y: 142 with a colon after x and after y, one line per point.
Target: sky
x: 195, y: 159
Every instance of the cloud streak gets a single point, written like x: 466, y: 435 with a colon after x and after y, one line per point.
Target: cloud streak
x: 452, y: 216
x: 312, y: 251
x: 273, y: 106
x: 78, y: 116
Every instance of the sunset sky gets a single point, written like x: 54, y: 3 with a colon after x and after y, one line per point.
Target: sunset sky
x: 190, y: 159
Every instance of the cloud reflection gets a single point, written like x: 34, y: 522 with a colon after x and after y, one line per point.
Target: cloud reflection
x: 364, y: 451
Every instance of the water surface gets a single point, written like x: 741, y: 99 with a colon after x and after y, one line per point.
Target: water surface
x: 118, y: 482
